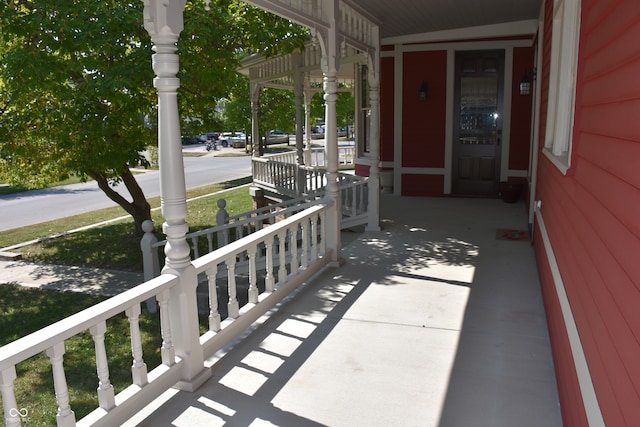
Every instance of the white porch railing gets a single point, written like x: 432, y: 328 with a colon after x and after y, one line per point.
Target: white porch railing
x: 355, y: 210
x: 296, y: 245
x: 346, y: 157
x: 277, y: 175
x: 231, y: 228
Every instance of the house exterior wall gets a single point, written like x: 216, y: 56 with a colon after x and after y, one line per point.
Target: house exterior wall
x: 520, y: 132
x: 416, y: 136
x: 592, y: 218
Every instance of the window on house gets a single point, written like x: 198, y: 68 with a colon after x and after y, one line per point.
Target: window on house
x: 562, y: 80
x: 363, y: 111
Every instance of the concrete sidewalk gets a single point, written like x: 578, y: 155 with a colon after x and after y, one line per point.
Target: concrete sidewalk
x: 93, y: 281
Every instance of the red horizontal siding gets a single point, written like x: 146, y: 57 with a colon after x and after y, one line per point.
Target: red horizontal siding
x: 611, y: 155
x: 573, y: 413
x: 618, y: 23
x: 593, y: 213
x: 617, y: 120
x: 606, y: 337
x: 617, y: 85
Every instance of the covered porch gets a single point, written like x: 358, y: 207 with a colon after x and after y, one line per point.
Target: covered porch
x: 436, y: 320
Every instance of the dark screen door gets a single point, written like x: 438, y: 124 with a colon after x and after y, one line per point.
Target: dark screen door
x: 477, y: 122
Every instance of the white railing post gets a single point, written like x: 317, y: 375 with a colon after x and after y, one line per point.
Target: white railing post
x: 282, y: 257
x: 106, y: 396
x: 150, y: 261
x: 214, y: 313
x: 167, y: 351
x: 269, y: 282
x: 373, y: 223
x: 233, y: 306
x: 139, y: 367
x: 65, y: 416
x: 9, y: 404
x: 253, y: 288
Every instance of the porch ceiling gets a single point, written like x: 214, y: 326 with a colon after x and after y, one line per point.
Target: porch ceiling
x: 425, y: 16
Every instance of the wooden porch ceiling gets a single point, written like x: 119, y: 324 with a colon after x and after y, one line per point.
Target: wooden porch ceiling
x: 405, y: 18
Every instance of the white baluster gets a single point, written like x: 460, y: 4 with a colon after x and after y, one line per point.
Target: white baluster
x: 314, y: 238
x: 196, y: 251
x: 139, y: 367
x: 214, y: 314
x: 354, y: 201
x: 253, y: 288
x: 65, y: 416
x: 304, y: 259
x: 293, y: 248
x: 210, y: 241
x: 167, y: 350
x: 282, y: 271
x: 233, y: 307
x: 269, y: 282
x: 106, y: 396
x: 9, y: 404
x: 323, y: 221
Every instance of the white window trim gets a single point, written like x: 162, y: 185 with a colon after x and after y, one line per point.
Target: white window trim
x: 562, y: 82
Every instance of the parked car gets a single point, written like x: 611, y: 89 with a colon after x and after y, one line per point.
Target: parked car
x: 276, y: 136
x: 233, y: 139
x: 188, y: 140
x: 202, y: 138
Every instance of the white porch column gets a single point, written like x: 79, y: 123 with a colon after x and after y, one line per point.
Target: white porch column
x: 298, y: 92
x: 373, y: 223
x: 330, y: 65
x: 255, y: 125
x: 163, y: 19
x: 308, y: 94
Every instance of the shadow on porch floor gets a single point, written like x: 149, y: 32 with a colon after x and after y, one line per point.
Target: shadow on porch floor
x: 433, y: 321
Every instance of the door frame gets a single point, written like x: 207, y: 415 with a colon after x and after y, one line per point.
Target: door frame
x: 506, y: 104
x: 456, y: 148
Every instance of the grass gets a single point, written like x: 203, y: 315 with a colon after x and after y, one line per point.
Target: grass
x: 25, y: 310
x: 114, y: 245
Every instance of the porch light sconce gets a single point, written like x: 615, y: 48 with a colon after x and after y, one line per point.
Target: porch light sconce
x: 424, y: 91
x: 525, y: 82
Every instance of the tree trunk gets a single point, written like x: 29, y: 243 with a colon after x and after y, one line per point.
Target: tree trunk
x: 138, y: 207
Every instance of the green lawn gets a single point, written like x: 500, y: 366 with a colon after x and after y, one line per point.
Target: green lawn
x: 25, y: 310
x: 114, y: 245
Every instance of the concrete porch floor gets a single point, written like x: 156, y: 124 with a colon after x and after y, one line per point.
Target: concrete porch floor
x: 432, y: 321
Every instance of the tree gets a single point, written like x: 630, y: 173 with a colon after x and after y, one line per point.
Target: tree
x: 76, y: 94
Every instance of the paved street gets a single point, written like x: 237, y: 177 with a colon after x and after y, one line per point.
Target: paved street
x: 33, y: 207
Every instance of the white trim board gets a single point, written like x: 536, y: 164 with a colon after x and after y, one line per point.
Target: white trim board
x: 589, y: 398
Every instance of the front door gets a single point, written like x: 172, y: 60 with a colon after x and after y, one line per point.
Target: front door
x: 477, y: 122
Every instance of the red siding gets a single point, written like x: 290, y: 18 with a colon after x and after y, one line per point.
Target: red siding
x: 568, y: 388
x: 422, y: 185
x: 593, y: 214
x: 520, y: 111
x: 423, y: 122
x: 386, y: 108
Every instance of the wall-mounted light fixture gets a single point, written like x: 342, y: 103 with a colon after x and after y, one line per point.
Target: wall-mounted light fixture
x: 526, y: 82
x: 424, y: 91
